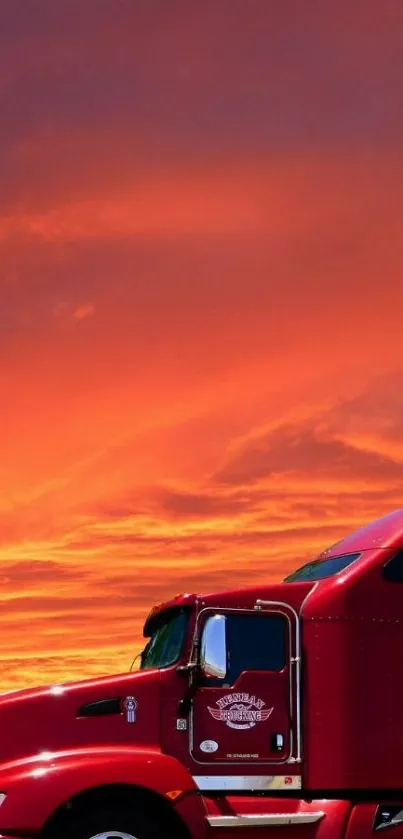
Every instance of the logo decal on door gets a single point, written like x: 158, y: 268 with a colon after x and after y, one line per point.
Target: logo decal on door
x: 129, y: 705
x: 240, y: 710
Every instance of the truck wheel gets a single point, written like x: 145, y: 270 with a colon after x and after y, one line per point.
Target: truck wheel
x: 113, y: 823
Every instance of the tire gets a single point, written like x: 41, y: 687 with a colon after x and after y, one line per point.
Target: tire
x: 110, y: 823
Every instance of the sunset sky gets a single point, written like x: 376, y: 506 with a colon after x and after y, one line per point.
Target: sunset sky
x: 201, y: 311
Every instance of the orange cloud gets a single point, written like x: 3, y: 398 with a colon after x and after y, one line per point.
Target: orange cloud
x: 282, y: 495
x: 86, y: 310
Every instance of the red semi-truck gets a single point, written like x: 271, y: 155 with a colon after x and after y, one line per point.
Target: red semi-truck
x: 271, y: 711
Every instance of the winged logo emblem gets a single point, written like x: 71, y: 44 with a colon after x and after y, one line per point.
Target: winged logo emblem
x: 240, y: 710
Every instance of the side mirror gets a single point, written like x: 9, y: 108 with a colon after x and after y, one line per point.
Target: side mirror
x: 213, y: 651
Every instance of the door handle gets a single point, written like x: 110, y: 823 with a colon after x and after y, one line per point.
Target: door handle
x: 277, y: 742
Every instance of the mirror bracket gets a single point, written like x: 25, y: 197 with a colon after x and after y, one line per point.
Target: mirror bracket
x: 190, y: 667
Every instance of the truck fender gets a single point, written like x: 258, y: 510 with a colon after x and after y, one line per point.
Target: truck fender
x: 38, y: 786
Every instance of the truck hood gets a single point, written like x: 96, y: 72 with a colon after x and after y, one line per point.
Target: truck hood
x: 78, y: 714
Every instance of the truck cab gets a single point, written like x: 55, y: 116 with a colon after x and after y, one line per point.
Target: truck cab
x: 273, y: 707
x: 235, y: 698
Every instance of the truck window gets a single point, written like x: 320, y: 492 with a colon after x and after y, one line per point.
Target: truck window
x: 165, y: 644
x: 393, y: 570
x: 254, y: 642
x: 320, y: 569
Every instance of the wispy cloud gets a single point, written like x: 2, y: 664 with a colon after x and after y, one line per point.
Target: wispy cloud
x: 85, y: 310
x: 275, y: 498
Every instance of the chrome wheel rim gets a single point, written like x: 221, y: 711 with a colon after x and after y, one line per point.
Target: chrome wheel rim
x: 113, y: 834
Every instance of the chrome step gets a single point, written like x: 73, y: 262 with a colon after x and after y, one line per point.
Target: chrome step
x: 257, y: 819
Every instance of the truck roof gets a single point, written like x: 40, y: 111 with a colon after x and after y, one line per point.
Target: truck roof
x: 229, y: 598
x: 385, y: 532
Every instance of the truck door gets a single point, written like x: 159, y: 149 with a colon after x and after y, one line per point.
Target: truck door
x: 247, y: 714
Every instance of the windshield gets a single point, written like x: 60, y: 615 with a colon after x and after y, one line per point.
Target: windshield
x: 321, y: 568
x: 165, y: 644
